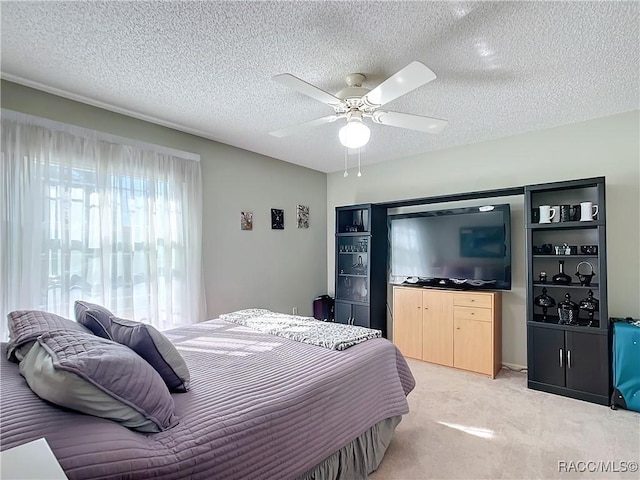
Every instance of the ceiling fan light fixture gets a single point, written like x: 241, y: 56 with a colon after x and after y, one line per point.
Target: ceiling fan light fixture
x: 354, y: 134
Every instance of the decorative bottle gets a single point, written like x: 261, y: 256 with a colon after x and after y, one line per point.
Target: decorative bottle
x: 545, y: 302
x: 567, y: 311
x: 591, y: 306
x: 561, y: 278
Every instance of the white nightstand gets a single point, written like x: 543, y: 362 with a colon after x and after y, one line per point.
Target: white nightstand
x: 33, y: 460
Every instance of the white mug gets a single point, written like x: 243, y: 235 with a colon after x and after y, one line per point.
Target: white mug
x: 555, y: 217
x: 547, y: 213
x: 587, y: 211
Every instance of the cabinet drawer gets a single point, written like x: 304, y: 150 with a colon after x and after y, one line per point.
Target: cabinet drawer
x: 472, y: 313
x: 472, y: 300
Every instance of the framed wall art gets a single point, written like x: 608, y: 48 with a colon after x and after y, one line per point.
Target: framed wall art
x: 246, y: 220
x: 277, y: 219
x: 302, y: 216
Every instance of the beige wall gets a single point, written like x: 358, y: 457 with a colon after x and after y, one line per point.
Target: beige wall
x: 281, y: 269
x: 274, y: 269
x: 603, y: 147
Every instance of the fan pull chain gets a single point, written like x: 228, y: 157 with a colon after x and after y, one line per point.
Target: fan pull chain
x: 346, y: 174
x: 359, y: 174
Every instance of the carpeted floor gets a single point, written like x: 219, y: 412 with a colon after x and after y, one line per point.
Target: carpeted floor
x: 463, y: 425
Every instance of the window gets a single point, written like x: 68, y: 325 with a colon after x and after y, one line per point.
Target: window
x: 108, y: 223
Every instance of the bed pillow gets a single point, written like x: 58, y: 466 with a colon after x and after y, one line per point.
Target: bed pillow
x: 94, y: 317
x: 155, y: 348
x: 84, y: 372
x: 25, y: 326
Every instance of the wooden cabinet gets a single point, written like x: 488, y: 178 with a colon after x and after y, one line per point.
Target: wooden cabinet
x: 458, y: 329
x: 437, y: 327
x: 407, y: 325
x: 477, y: 333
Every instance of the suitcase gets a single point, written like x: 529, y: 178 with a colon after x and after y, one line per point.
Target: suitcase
x: 626, y: 364
x: 323, y: 308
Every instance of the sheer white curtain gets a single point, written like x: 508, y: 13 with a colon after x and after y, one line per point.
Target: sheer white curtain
x: 86, y: 217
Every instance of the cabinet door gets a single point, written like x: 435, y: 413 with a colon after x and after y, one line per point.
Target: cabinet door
x: 437, y: 327
x: 360, y: 315
x: 407, y: 321
x: 548, y: 356
x: 342, y: 312
x: 472, y: 346
x: 586, y: 363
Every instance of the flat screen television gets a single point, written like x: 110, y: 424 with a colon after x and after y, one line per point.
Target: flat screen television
x: 468, y: 248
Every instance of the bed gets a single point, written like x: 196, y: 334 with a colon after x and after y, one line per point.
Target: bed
x: 259, y: 406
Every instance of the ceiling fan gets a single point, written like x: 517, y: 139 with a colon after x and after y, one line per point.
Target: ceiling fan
x: 355, y: 103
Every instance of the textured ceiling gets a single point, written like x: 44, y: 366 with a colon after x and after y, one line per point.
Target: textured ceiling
x: 205, y: 67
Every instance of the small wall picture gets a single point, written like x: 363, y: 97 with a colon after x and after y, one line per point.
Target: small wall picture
x: 303, y: 216
x: 277, y: 219
x: 246, y: 220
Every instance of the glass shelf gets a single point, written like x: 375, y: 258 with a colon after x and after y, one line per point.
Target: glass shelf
x: 552, y: 322
x: 593, y: 286
x: 577, y: 255
x: 563, y: 225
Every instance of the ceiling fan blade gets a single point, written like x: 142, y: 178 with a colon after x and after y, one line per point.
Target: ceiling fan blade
x: 412, y: 122
x: 285, y: 132
x: 409, y: 78
x: 309, y: 90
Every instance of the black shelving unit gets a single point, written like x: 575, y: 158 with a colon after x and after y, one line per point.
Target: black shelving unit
x: 360, y: 279
x: 568, y: 359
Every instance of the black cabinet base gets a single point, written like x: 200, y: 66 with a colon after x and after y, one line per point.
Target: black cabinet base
x: 567, y: 392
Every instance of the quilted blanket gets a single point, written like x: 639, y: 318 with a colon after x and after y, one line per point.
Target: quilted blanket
x: 335, y: 336
x: 260, y: 407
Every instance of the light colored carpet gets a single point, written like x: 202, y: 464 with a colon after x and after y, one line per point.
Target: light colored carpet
x: 463, y: 425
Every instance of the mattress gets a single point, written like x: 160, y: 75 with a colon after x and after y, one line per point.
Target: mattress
x: 260, y: 407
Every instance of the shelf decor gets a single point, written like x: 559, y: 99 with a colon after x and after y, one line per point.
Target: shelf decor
x: 591, y: 306
x: 567, y: 311
x: 585, y: 278
x: 246, y: 220
x: 561, y: 278
x: 545, y: 302
x: 302, y: 216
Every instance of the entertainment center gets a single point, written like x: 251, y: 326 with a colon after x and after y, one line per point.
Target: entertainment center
x: 440, y: 275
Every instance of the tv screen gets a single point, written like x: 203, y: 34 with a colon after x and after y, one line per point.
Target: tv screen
x: 464, y: 247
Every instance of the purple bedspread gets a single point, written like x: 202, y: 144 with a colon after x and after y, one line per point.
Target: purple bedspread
x: 260, y: 406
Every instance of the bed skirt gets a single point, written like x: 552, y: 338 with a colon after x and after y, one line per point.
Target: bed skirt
x: 358, y: 458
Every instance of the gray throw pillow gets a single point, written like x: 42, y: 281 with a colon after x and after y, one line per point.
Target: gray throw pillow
x: 84, y: 372
x: 155, y: 348
x: 25, y: 326
x: 94, y: 317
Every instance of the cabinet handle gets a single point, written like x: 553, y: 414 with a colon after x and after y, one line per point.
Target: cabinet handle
x: 568, y: 358
x: 560, y: 358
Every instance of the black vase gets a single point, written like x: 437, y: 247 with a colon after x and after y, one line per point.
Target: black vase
x: 561, y: 278
x: 360, y: 224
